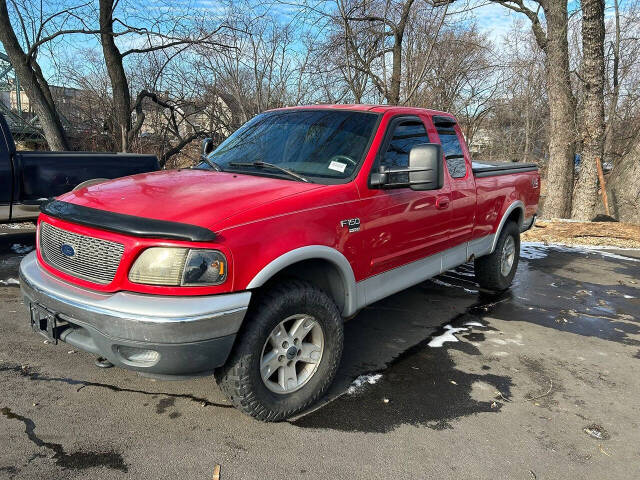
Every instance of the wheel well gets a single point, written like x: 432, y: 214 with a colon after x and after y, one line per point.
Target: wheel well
x: 321, y: 273
x: 517, y: 216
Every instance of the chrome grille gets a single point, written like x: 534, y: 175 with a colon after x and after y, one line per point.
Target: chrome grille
x: 93, y: 259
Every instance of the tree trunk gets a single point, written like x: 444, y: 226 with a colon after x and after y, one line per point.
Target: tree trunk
x: 561, y: 112
x: 34, y: 84
x: 117, y: 76
x: 527, y: 127
x: 393, y: 95
x: 624, y: 187
x: 615, y: 93
x: 586, y: 190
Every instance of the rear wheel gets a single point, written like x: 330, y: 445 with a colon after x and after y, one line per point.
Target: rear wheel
x: 496, y: 271
x: 287, y: 353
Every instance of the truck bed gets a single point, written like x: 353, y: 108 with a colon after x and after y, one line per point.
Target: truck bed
x: 49, y: 174
x: 492, y: 169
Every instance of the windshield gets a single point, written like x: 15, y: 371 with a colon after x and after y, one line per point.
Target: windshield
x: 324, y: 146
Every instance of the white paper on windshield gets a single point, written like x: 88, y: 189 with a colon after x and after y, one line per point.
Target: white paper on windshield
x: 337, y: 166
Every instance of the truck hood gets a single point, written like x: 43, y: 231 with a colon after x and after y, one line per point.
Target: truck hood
x: 197, y: 197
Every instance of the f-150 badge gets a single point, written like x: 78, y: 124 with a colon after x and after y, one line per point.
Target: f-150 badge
x: 352, y: 223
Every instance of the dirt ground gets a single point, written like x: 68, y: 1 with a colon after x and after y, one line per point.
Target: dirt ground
x: 610, y: 234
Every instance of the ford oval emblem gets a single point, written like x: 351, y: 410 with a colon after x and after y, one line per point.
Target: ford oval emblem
x: 67, y: 250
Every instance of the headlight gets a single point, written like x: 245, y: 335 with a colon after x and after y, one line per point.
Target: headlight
x: 204, y: 267
x: 179, y: 266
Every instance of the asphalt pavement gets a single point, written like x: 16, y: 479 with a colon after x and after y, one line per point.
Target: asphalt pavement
x: 439, y: 381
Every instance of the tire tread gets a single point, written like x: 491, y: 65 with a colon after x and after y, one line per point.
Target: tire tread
x: 487, y: 268
x: 234, y: 377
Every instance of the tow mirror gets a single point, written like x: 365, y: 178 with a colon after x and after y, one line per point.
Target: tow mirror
x: 425, y: 167
x: 424, y: 173
x: 207, y: 146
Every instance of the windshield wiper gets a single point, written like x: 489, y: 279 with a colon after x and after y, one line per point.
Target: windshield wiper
x: 213, y: 164
x: 269, y: 165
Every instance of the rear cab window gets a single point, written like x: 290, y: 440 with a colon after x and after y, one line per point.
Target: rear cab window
x: 451, y: 147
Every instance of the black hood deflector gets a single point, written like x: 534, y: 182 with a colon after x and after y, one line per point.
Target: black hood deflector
x: 127, y: 224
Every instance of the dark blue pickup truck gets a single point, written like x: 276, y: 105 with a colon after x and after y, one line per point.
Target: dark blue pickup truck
x: 27, y: 179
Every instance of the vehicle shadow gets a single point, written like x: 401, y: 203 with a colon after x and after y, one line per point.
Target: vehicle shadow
x: 422, y: 384
x: 419, y: 384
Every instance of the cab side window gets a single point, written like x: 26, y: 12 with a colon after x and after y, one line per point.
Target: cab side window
x: 452, y: 151
x: 406, y: 135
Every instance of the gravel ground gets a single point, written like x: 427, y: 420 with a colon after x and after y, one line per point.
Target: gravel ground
x: 567, y: 232
x: 536, y: 383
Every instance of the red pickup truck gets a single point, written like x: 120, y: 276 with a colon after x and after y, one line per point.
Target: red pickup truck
x: 248, y: 264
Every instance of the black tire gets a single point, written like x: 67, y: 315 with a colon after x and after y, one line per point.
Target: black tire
x: 488, y: 268
x: 240, y: 378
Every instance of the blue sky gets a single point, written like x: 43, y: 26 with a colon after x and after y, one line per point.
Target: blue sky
x: 494, y: 20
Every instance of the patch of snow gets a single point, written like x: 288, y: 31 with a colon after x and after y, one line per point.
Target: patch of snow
x: 619, y: 294
x: 610, y: 247
x: 441, y: 283
x: 500, y: 354
x: 9, y: 281
x: 465, y: 274
x: 445, y: 284
x: 447, y: 336
x: 21, y: 249
x: 615, y: 255
x: 533, y: 250
x: 362, y: 381
x: 474, y: 324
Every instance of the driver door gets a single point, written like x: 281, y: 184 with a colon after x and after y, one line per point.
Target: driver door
x: 404, y: 225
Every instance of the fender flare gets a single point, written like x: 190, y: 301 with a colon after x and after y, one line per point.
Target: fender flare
x: 313, y: 252
x: 518, y: 204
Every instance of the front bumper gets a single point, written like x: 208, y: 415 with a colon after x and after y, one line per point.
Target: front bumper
x: 161, y: 335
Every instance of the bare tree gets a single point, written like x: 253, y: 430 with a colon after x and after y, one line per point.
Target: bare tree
x: 551, y: 37
x: 385, y: 24
x: 516, y: 128
x: 615, y: 83
x: 265, y: 69
x: 26, y: 65
x: 451, y: 70
x: 170, y: 40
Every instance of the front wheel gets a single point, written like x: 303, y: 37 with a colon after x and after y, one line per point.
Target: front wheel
x: 496, y: 271
x: 286, y: 354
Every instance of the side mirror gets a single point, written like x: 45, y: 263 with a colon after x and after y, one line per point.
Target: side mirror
x: 425, y: 167
x: 425, y: 170
x: 207, y: 146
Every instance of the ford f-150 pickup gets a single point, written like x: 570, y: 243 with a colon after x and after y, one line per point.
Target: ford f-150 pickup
x: 28, y: 179
x: 247, y: 265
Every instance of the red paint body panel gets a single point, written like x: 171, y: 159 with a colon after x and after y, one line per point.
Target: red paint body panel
x: 258, y: 219
x: 199, y: 197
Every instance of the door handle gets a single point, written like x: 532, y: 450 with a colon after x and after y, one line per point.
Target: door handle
x: 442, y: 203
